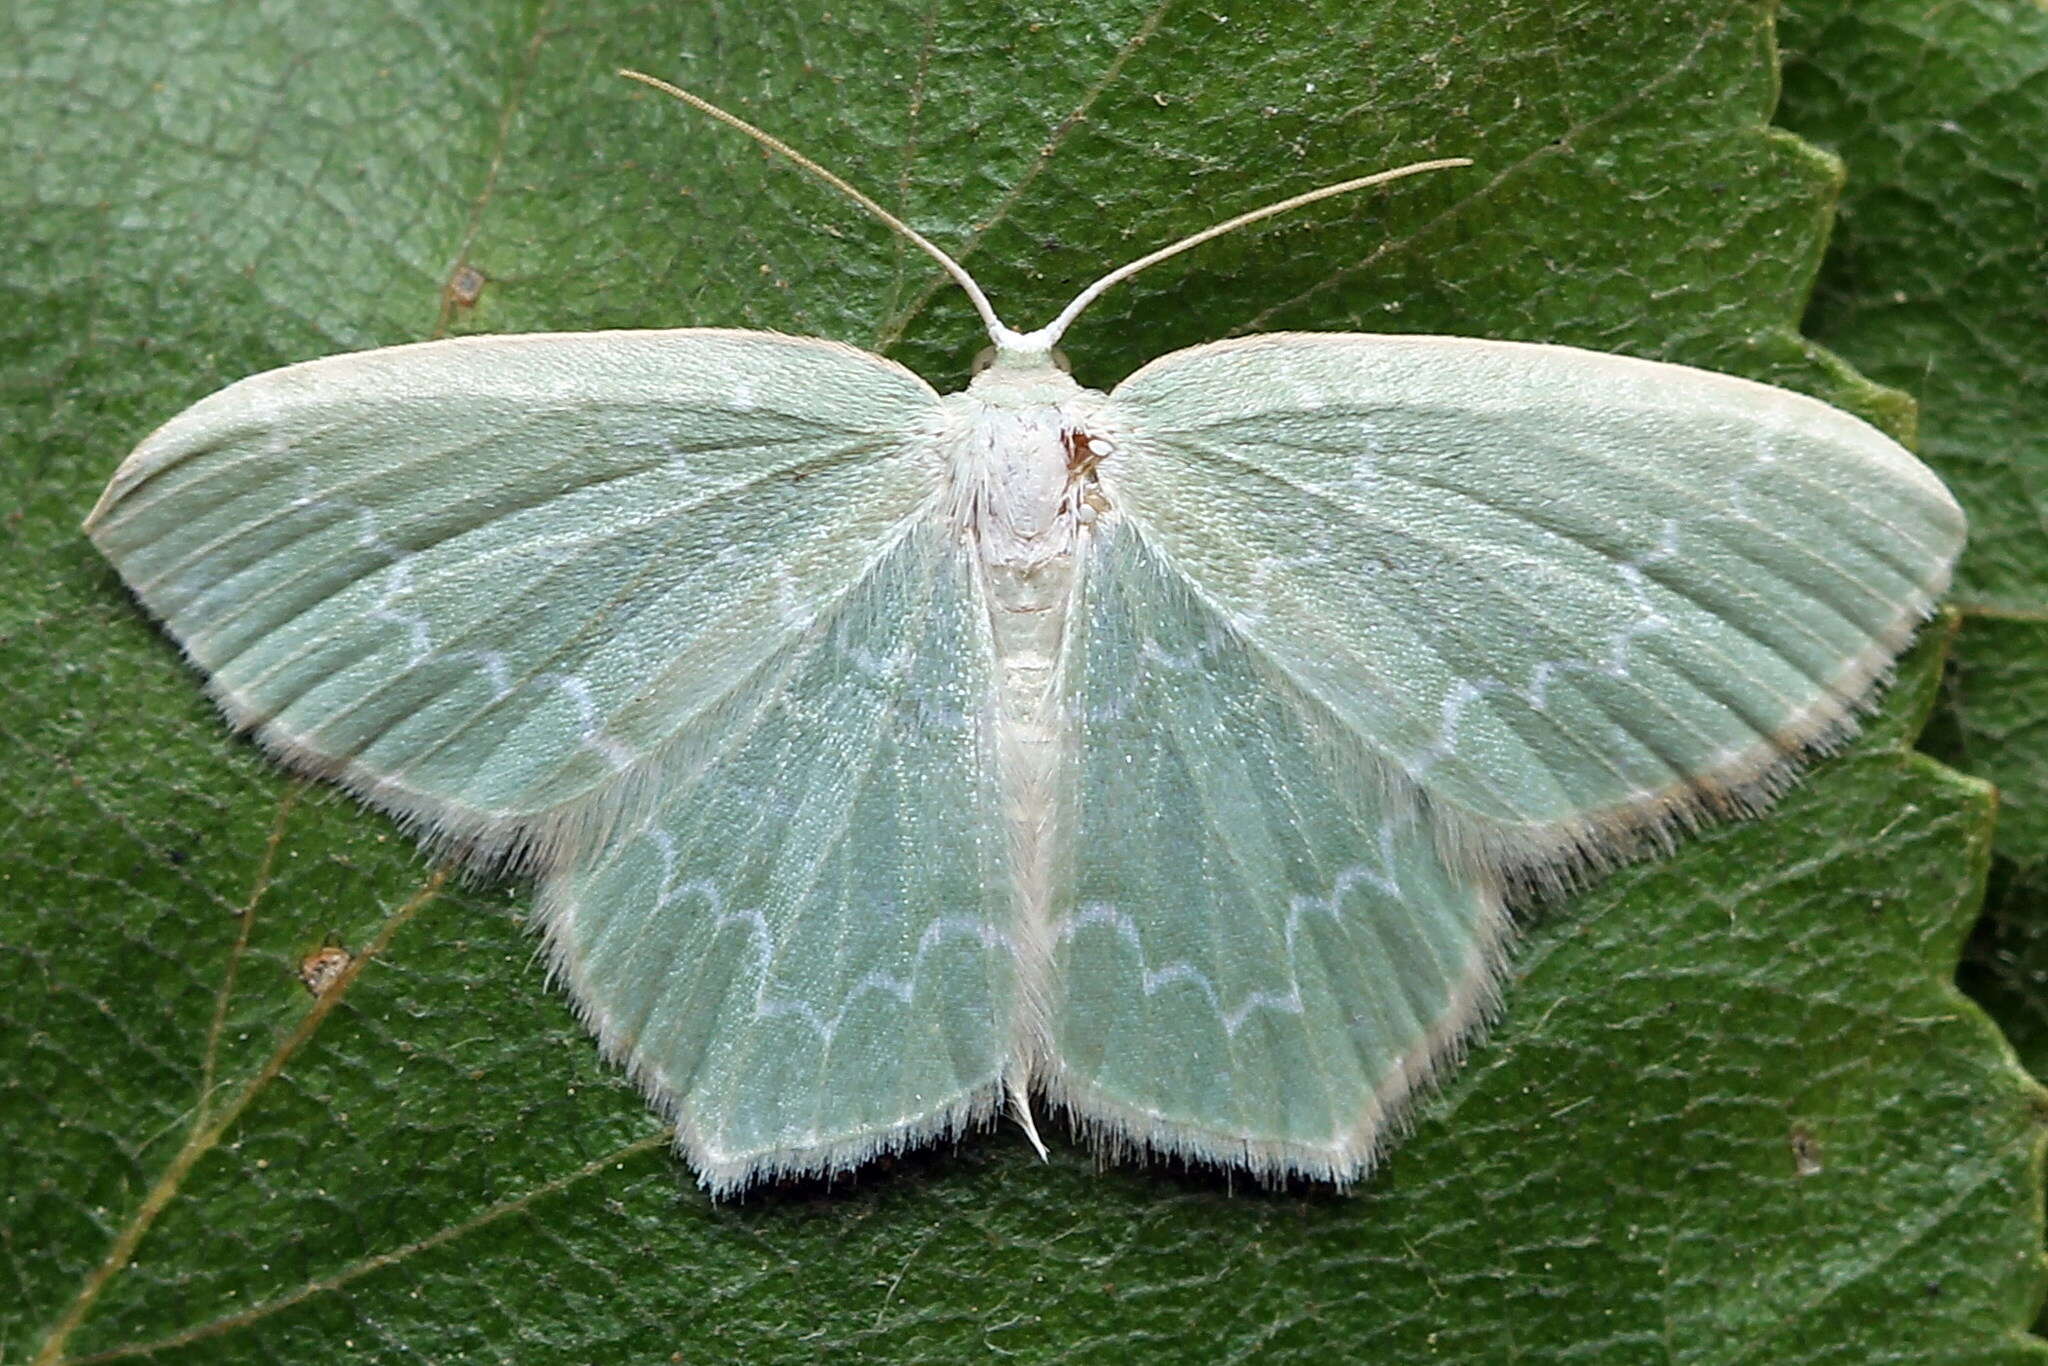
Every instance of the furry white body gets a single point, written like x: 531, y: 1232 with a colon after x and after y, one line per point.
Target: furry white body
x: 1014, y: 499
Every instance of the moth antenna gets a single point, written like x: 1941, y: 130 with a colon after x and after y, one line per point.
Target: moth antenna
x: 1002, y: 336
x: 1051, y: 333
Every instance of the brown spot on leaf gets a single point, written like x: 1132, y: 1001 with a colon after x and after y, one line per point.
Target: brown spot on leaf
x: 322, y: 968
x: 465, y: 286
x: 1805, y: 1151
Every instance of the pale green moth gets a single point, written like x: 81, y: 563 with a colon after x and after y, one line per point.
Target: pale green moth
x: 887, y: 758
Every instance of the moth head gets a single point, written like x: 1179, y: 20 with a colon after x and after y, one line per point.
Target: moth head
x: 1008, y: 377
x: 986, y: 357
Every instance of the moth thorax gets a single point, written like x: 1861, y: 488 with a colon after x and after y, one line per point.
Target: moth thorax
x: 1013, y: 477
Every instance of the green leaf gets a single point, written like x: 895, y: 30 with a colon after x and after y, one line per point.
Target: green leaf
x: 1734, y: 1112
x: 1935, y: 282
x: 1934, y: 279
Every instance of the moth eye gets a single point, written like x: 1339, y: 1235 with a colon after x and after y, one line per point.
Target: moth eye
x: 1059, y: 358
